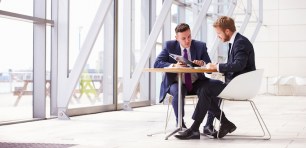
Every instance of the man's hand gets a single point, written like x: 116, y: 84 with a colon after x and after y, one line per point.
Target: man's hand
x: 199, y: 62
x: 179, y: 64
x: 211, y: 66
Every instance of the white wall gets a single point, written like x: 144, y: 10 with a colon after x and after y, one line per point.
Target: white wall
x: 281, y: 42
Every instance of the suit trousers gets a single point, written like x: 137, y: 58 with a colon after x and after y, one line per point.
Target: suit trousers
x: 208, y: 100
x: 196, y: 86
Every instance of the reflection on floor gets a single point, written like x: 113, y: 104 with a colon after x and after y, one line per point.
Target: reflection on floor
x: 285, y: 117
x: 34, y: 145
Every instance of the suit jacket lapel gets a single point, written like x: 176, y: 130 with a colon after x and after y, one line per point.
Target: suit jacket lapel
x: 232, y: 51
x: 178, y: 49
x: 193, y: 52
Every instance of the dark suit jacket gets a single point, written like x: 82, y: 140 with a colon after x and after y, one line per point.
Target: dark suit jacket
x: 240, y: 60
x: 198, y: 51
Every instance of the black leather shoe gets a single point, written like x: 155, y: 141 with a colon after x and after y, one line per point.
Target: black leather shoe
x: 225, y: 129
x: 188, y: 134
x: 209, y: 130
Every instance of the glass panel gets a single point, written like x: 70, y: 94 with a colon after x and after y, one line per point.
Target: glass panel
x: 18, y: 6
x: 139, y: 37
x: 89, y: 90
x: 189, y: 17
x: 16, y: 67
x: 49, y: 6
x: 174, y: 20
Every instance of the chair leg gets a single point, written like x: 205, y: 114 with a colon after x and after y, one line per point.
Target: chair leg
x: 221, y: 102
x: 259, y: 118
x: 167, y: 119
x: 168, y: 114
x: 261, y: 121
x: 215, y: 119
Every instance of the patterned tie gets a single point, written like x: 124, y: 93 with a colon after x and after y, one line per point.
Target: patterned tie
x: 188, y: 82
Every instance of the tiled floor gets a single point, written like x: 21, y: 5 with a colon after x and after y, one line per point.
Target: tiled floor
x: 285, y: 117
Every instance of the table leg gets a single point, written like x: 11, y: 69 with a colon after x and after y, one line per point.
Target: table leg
x: 24, y: 88
x: 179, y: 75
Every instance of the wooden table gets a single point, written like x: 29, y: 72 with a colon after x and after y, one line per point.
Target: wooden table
x: 179, y: 72
x: 23, y: 90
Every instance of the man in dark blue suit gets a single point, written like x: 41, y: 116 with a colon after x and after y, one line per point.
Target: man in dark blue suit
x: 196, y: 52
x: 241, y: 59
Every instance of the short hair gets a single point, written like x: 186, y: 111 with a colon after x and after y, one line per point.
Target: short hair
x: 225, y: 22
x: 182, y: 27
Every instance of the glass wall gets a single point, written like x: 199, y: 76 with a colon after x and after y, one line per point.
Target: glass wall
x: 16, y: 6
x: 16, y: 67
x: 106, y: 63
x: 91, y: 89
x: 139, y: 12
x: 180, y: 13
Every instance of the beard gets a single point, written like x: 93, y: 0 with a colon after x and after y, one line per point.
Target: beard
x: 226, y: 38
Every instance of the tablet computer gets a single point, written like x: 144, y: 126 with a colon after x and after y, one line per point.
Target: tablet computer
x: 181, y: 59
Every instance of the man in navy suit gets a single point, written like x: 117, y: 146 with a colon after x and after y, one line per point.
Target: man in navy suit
x: 196, y: 52
x: 241, y: 59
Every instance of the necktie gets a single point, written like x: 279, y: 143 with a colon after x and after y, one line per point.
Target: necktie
x: 188, y: 82
x: 229, y: 49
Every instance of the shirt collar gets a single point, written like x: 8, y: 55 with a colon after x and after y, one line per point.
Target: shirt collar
x: 182, y: 49
x: 233, y: 38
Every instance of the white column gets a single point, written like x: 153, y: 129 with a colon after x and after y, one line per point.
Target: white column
x: 153, y: 55
x: 54, y: 59
x: 39, y: 61
x: 108, y: 58
x: 127, y: 45
x: 145, y: 31
x: 63, y: 48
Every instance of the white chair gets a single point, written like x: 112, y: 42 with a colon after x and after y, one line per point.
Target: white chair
x: 287, y: 81
x: 244, y: 88
x: 299, y: 82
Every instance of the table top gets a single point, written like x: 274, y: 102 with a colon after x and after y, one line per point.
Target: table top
x: 179, y: 70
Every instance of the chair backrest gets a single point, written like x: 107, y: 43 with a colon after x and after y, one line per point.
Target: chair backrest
x: 244, y: 86
x: 287, y: 80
